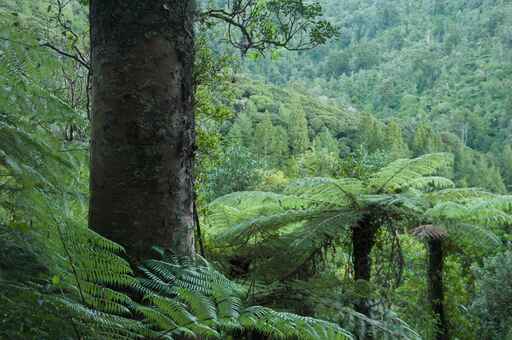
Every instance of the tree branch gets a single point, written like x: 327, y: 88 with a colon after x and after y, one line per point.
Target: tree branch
x: 65, y: 54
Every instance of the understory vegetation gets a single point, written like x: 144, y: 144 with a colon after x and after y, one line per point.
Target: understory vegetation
x: 356, y: 190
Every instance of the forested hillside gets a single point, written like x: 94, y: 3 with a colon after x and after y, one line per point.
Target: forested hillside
x: 256, y: 169
x: 440, y: 64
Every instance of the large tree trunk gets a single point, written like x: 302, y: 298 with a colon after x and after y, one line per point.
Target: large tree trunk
x: 142, y: 55
x: 363, y: 240
x: 435, y: 286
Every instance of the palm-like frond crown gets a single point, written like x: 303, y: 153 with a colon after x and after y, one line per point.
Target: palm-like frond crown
x: 470, y: 214
x: 414, y: 173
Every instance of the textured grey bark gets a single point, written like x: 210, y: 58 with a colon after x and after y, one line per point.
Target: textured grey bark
x: 142, y: 148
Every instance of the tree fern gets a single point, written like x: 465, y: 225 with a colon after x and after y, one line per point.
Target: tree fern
x: 312, y: 211
x: 284, y: 233
x: 403, y: 173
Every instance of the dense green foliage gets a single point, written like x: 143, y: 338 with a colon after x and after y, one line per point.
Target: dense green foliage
x: 310, y: 221
x: 401, y: 124
x: 440, y: 68
x: 492, y: 304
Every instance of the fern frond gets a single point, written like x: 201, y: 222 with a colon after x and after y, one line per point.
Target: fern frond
x: 458, y: 194
x: 472, y: 218
x: 106, y: 322
x: 480, y: 236
x: 400, y: 173
x: 282, y: 325
x: 436, y: 182
x: 199, y: 300
x: 498, y: 202
x: 242, y: 232
x: 476, y: 213
x: 327, y: 191
x: 241, y: 206
x: 248, y: 199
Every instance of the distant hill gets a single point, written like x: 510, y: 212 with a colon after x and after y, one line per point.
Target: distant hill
x: 445, y: 63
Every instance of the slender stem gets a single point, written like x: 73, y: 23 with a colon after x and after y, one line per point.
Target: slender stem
x: 73, y: 268
x: 198, y: 229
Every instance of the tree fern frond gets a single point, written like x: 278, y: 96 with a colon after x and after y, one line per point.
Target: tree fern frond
x: 483, y: 214
x: 498, y: 202
x: 327, y: 191
x: 478, y: 235
x: 436, y: 182
x: 242, y: 232
x: 458, y: 194
x: 241, y: 206
x: 248, y: 199
x: 400, y: 173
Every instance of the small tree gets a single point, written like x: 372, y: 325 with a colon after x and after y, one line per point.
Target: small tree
x: 394, y: 141
x: 298, y: 131
x: 425, y: 140
x: 507, y: 165
x: 370, y: 133
x: 465, y: 215
x: 264, y: 135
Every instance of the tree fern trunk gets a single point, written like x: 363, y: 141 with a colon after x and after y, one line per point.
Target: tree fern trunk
x: 256, y: 336
x: 142, y: 148
x: 363, y: 240
x: 435, y: 286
